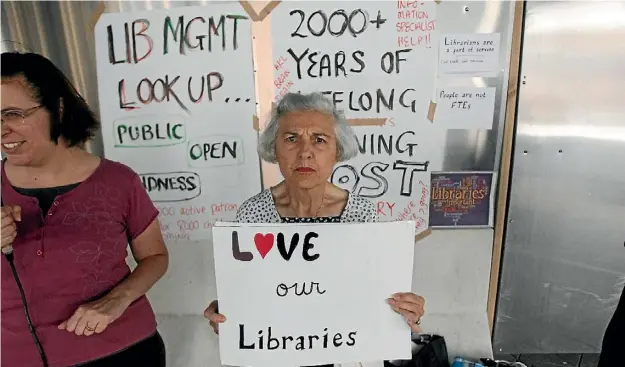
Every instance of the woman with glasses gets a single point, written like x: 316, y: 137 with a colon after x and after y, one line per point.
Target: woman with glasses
x: 68, y: 296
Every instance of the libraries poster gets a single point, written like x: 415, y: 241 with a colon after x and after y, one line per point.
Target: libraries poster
x: 461, y: 199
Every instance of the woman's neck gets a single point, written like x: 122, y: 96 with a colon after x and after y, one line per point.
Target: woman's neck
x: 304, y: 203
x: 52, y: 171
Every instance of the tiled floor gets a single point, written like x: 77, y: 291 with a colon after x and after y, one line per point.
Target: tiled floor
x: 553, y: 360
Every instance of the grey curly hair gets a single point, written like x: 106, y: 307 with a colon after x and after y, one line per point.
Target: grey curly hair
x: 346, y: 143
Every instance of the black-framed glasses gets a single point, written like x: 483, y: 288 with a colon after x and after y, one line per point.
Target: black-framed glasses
x: 16, y: 117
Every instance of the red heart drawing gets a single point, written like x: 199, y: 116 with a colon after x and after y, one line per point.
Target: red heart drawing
x: 264, y: 243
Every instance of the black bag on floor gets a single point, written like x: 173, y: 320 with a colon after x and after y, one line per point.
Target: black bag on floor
x: 428, y: 351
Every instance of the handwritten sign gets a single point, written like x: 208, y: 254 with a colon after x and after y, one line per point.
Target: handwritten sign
x: 465, y: 108
x: 472, y: 54
x: 461, y: 199
x: 176, y: 91
x: 389, y: 172
x: 373, y: 60
x: 303, y: 295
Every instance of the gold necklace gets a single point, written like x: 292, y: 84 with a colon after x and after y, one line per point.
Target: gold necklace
x: 320, y: 204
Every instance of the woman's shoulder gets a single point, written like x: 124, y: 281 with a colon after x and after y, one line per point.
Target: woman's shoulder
x: 115, y: 170
x: 257, y: 209
x: 262, y: 198
x: 360, y: 209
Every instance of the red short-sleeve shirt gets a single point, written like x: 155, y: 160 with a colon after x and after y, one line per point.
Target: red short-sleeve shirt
x: 72, y: 255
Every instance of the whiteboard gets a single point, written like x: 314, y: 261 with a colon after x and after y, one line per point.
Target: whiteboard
x: 177, y: 102
x: 375, y: 67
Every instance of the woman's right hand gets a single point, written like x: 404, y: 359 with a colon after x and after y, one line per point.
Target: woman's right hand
x: 10, y: 215
x: 213, y: 315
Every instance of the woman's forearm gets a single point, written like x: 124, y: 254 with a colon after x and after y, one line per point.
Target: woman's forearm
x: 148, y: 271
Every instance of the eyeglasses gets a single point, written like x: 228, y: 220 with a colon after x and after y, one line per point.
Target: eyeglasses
x: 16, y: 117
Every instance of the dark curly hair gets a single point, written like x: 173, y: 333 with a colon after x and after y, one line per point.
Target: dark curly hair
x: 75, y: 121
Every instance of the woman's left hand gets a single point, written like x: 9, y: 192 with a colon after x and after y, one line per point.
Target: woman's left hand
x: 409, y: 305
x: 94, y: 317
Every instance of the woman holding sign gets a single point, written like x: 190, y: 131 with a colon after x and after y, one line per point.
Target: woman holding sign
x: 68, y: 296
x: 306, y: 137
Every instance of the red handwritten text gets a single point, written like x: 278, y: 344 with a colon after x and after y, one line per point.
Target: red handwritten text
x: 383, y: 205
x: 211, y: 222
x: 282, y: 83
x: 166, y: 211
x: 424, y: 198
x: 188, y: 226
x: 409, y: 213
x: 223, y: 207
x: 192, y: 210
x: 281, y: 61
x: 176, y: 236
x: 285, y: 89
x: 164, y: 227
x: 281, y: 79
x: 414, y: 18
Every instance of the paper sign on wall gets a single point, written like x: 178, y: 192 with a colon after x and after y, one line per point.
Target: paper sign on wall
x: 474, y: 54
x: 302, y: 295
x: 465, y: 108
x: 374, y: 60
x: 177, y: 97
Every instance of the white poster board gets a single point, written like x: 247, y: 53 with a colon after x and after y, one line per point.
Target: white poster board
x: 377, y: 61
x: 310, y: 294
x: 465, y: 108
x: 177, y: 100
x: 472, y: 54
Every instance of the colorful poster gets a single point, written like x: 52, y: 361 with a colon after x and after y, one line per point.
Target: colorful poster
x: 304, y: 295
x: 461, y: 199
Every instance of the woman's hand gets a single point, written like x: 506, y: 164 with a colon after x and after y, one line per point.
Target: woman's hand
x: 213, y: 315
x: 10, y: 215
x: 95, y: 316
x: 409, y: 305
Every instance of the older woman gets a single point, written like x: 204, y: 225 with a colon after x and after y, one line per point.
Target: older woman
x: 68, y: 296
x: 307, y: 136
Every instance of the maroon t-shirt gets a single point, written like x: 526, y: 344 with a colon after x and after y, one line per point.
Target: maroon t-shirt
x: 73, y: 254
